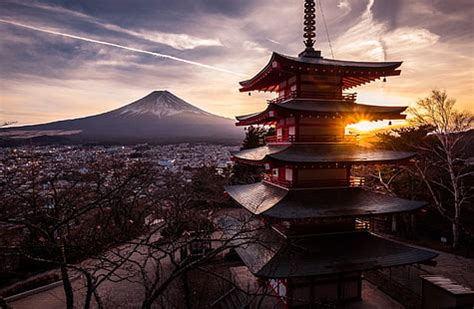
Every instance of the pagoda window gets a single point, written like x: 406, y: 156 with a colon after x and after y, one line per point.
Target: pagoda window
x: 289, y: 174
x: 275, y: 172
x: 267, y: 166
x: 291, y: 134
x: 279, y: 133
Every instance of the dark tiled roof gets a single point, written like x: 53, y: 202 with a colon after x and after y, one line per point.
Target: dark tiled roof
x: 249, y: 116
x: 272, y: 256
x: 353, y: 73
x: 272, y: 201
x: 322, y: 153
x: 342, y: 63
x: 348, y: 109
x: 338, y: 107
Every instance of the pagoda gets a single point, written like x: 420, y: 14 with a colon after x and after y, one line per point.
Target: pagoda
x: 310, y: 249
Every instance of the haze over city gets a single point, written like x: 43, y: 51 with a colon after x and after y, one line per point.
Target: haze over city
x: 67, y: 59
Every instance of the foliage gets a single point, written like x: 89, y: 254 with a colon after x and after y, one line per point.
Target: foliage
x: 245, y: 173
x: 255, y: 136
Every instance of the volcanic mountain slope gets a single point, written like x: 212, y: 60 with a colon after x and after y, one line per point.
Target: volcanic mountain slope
x: 158, y: 117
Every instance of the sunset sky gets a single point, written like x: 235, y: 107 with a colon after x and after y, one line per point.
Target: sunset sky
x: 64, y: 59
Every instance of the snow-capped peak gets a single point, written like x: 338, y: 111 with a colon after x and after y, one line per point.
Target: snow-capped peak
x: 161, y: 104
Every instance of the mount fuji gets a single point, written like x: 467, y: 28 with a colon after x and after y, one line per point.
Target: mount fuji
x: 159, y: 117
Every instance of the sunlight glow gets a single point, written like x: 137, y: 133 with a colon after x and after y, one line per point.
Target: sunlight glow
x: 368, y: 126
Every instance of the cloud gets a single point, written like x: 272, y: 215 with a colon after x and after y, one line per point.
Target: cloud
x: 75, y: 37
x: 273, y: 41
x: 180, y: 41
x: 252, y: 46
x: 374, y: 40
x: 345, y: 5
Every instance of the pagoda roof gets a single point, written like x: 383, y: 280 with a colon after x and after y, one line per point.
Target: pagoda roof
x: 356, y: 112
x: 353, y: 73
x: 272, y: 201
x: 272, y: 256
x: 321, y: 153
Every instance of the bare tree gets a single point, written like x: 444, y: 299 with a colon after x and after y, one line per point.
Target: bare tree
x: 441, y: 136
x: 450, y: 128
x: 118, y: 223
x: 71, y: 216
x: 183, y: 239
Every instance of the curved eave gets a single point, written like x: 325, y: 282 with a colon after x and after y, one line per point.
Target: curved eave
x: 273, y: 256
x: 354, y: 73
x: 257, y: 155
x: 355, y: 252
x: 313, y: 105
x: 263, y: 117
x: 263, y: 80
x: 321, y: 153
x: 268, y: 200
x: 353, y: 112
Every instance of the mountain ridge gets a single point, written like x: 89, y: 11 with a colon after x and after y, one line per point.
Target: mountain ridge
x: 160, y: 116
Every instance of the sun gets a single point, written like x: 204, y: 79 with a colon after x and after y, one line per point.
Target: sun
x: 369, y: 126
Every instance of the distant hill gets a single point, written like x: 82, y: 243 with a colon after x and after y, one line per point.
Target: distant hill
x: 160, y: 117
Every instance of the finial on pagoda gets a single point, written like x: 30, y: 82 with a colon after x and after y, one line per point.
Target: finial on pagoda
x: 310, y: 29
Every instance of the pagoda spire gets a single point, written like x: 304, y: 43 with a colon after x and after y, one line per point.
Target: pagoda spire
x: 310, y: 29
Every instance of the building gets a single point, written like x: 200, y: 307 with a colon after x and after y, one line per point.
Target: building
x: 310, y: 249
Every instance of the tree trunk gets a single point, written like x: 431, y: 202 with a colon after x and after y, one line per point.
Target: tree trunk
x: 187, y: 290
x: 67, y: 287
x: 89, y: 292
x: 98, y: 300
x: 456, y: 230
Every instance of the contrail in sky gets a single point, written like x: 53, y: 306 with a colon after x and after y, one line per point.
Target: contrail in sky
x: 202, y: 65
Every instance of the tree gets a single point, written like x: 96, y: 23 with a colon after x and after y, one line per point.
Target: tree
x: 447, y: 155
x: 185, y: 241
x: 71, y: 216
x: 118, y: 222
x: 245, y: 173
x: 255, y: 136
x: 441, y: 135
x: 207, y: 186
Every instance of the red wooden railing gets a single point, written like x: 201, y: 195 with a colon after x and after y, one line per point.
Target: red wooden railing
x: 313, y: 95
x: 311, y: 138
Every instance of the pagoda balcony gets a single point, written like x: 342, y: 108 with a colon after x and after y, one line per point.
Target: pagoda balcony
x: 312, y: 139
x: 316, y: 96
x: 352, y: 182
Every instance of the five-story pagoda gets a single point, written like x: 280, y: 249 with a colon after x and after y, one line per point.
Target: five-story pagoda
x: 309, y: 249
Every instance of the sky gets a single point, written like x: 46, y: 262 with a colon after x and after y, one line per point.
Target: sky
x: 63, y: 59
